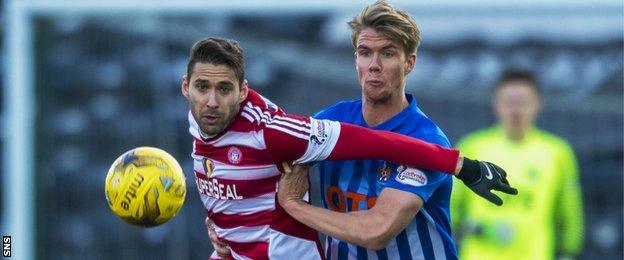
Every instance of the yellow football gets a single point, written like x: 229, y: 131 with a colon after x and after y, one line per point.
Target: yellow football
x: 145, y: 187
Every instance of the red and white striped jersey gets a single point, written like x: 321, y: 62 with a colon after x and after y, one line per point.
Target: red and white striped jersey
x: 238, y: 170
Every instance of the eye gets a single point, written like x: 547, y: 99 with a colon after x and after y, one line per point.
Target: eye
x: 224, y: 89
x: 201, y: 86
x: 364, y: 53
x: 388, y: 54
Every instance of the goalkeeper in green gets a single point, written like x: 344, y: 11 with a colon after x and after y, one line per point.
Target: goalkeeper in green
x: 545, y: 219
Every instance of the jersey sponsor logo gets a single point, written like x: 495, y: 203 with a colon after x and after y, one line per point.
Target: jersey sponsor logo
x: 337, y: 200
x: 411, y: 176
x: 235, y: 155
x: 208, y: 167
x: 319, y: 134
x: 211, y: 187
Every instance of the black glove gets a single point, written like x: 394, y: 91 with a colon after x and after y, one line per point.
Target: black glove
x: 483, y: 177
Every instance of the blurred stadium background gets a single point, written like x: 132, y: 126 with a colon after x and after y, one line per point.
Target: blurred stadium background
x: 84, y: 81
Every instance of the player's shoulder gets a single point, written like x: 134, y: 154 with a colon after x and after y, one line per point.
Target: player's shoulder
x: 554, y: 141
x: 340, y: 109
x: 420, y: 126
x: 255, y: 101
x: 479, y: 136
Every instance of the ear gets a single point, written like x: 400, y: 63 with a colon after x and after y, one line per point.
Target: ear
x: 185, y: 87
x: 411, y: 63
x: 244, y: 90
x: 539, y: 105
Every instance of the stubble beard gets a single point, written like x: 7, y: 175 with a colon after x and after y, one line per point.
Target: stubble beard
x: 222, y: 123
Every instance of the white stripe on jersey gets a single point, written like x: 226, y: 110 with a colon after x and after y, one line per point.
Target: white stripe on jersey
x: 241, y: 207
x: 292, y: 120
x: 246, y: 114
x: 285, y: 130
x: 391, y: 249
x: 232, y: 172
x: 436, y: 239
x: 244, y: 234
x: 333, y: 248
x: 322, y: 140
x: 414, y: 240
x: 251, y: 139
x: 214, y: 255
x: 239, y: 257
x: 288, y: 125
x: 282, y: 246
x: 284, y: 122
x: 252, y: 112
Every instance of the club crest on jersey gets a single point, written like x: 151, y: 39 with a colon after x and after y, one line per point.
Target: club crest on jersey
x: 384, y: 172
x: 235, y: 155
x: 411, y: 176
x: 208, y: 167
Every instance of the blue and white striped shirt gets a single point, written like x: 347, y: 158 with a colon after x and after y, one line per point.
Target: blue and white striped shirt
x: 354, y: 185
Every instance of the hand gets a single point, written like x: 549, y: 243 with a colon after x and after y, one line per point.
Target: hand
x: 221, y: 248
x: 483, y: 177
x: 293, y: 184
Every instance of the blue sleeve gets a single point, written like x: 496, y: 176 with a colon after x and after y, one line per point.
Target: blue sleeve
x: 417, y: 181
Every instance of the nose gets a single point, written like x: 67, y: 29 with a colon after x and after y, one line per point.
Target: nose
x: 211, y: 101
x: 375, y: 64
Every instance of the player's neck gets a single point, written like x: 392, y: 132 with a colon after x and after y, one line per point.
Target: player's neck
x: 515, y: 134
x: 376, y: 113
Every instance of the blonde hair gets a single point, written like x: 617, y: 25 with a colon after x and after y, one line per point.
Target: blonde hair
x: 393, y: 23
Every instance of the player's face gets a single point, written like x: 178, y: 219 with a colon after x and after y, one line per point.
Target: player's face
x: 517, y: 105
x: 382, y: 66
x: 214, y: 95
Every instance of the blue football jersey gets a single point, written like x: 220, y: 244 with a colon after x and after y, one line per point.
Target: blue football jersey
x: 354, y: 185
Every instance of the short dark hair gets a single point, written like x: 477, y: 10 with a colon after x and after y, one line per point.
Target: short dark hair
x: 518, y: 75
x: 218, y: 51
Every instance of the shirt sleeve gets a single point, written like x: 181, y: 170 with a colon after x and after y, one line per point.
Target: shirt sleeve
x: 569, y: 209
x: 418, y: 181
x: 286, y: 137
x: 308, y: 140
x: 300, y: 139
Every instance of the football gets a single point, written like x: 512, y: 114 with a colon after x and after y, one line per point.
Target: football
x: 145, y: 187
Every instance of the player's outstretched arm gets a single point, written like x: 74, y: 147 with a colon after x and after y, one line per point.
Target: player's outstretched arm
x: 316, y: 140
x: 480, y: 177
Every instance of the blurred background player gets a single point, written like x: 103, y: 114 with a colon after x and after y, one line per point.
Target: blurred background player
x: 546, y: 218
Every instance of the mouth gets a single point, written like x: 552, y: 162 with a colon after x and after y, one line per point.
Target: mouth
x: 210, y: 119
x: 374, y: 82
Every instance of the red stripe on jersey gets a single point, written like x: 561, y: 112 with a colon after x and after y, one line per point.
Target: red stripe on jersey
x: 238, y: 189
x: 233, y: 154
x: 286, y: 224
x: 252, y: 250
x: 249, y: 220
